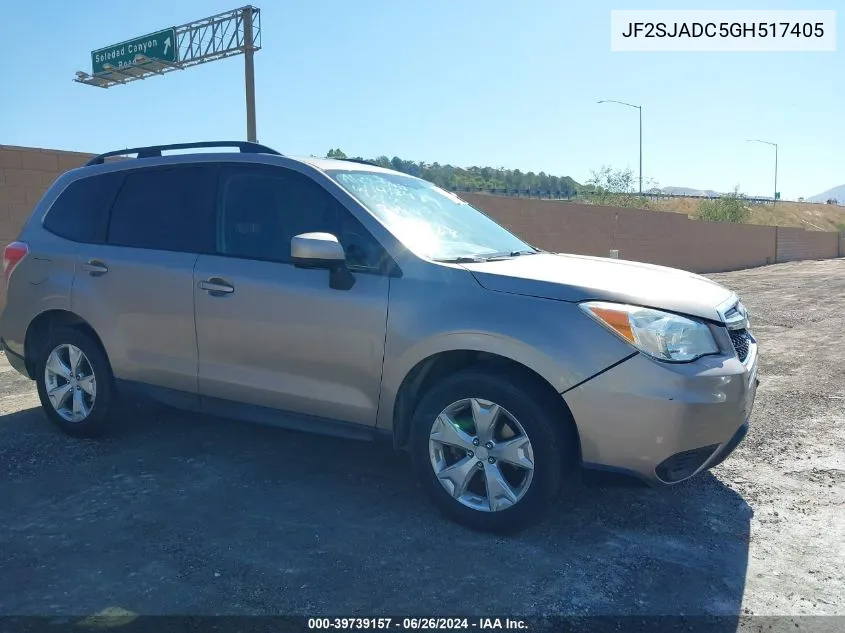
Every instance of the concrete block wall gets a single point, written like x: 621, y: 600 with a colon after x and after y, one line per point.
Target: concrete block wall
x: 795, y: 244
x: 669, y: 239
x: 25, y: 174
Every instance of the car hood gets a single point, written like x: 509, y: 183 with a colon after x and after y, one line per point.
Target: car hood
x: 579, y: 278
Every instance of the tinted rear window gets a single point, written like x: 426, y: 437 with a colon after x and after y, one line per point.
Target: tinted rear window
x: 169, y: 209
x: 78, y: 212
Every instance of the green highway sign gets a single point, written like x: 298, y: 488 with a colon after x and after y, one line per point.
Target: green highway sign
x: 159, y: 45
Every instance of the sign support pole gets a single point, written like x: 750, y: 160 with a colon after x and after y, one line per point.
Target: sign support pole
x: 249, y: 76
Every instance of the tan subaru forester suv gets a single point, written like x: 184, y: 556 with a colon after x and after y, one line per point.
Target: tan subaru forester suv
x: 337, y: 297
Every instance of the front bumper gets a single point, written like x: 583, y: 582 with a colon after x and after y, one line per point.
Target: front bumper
x: 664, y: 422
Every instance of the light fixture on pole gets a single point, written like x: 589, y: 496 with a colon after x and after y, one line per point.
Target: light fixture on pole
x: 775, y: 145
x: 640, y: 108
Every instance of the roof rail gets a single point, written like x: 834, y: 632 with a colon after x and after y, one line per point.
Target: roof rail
x: 155, y: 150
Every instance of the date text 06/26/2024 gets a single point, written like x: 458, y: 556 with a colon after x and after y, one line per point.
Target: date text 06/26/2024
x: 723, y: 30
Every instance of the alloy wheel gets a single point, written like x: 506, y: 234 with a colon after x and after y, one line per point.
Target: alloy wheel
x: 481, y: 455
x: 70, y: 382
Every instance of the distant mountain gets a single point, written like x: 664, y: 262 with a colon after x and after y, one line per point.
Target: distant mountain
x: 686, y: 191
x: 837, y: 193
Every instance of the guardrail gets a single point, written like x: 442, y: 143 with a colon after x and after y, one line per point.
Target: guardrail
x: 586, y: 195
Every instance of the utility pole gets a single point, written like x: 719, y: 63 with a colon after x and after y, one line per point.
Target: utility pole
x: 640, y: 108
x: 249, y: 75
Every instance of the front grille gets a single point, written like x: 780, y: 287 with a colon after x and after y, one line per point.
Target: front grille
x: 741, y: 340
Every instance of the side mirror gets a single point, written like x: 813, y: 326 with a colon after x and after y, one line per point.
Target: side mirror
x: 316, y: 250
x: 322, y: 250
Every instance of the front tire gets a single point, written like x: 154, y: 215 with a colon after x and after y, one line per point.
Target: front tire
x: 75, y: 382
x: 492, y: 449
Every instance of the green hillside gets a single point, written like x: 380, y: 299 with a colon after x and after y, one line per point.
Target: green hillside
x: 459, y: 178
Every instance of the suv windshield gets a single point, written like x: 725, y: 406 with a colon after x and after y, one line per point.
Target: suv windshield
x: 431, y: 222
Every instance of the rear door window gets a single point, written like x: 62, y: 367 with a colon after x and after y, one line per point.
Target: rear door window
x: 78, y: 214
x: 166, y: 208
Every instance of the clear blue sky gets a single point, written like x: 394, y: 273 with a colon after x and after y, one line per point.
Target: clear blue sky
x: 467, y: 82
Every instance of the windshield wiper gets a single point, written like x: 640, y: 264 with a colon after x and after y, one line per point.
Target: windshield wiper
x: 492, y: 257
x: 508, y: 255
x: 461, y: 260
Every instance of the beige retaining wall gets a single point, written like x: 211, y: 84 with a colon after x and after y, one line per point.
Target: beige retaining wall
x: 670, y: 239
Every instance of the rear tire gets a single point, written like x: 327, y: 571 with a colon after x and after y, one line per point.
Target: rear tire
x: 445, y: 450
x: 75, y: 382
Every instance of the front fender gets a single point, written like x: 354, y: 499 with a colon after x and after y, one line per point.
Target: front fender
x: 552, y: 338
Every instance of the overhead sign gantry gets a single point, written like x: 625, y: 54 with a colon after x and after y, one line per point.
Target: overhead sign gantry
x: 176, y: 48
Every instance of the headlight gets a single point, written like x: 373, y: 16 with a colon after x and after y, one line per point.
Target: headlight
x: 659, y: 334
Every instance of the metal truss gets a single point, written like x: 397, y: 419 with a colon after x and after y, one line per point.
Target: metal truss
x: 198, y: 42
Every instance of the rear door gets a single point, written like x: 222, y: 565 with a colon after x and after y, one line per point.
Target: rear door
x: 44, y: 279
x: 277, y: 336
x: 136, y: 288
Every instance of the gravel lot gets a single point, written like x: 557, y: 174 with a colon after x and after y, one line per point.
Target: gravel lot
x: 181, y: 514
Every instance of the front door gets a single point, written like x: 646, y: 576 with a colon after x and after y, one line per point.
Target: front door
x: 277, y: 336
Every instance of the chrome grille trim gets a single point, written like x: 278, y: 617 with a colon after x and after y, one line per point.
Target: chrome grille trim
x: 735, y: 318
x: 733, y: 314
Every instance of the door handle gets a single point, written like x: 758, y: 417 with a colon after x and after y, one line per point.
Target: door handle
x: 95, y: 267
x: 216, y: 287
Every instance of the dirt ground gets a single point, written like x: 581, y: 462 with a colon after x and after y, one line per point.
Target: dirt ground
x: 181, y: 514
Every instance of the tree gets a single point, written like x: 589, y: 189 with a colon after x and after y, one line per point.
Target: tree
x: 612, y: 180
x: 731, y: 207
x: 473, y: 178
x: 543, y: 181
x: 615, y: 188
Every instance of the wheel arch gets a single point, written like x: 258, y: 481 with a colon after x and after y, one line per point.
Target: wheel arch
x: 43, y: 325
x: 428, y: 371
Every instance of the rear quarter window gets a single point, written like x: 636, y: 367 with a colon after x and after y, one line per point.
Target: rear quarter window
x: 78, y: 214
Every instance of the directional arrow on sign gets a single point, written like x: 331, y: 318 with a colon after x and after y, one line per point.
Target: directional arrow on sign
x: 166, y: 45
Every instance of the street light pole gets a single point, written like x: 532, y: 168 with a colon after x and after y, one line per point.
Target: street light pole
x: 641, y: 149
x: 775, y: 145
x: 640, y: 108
